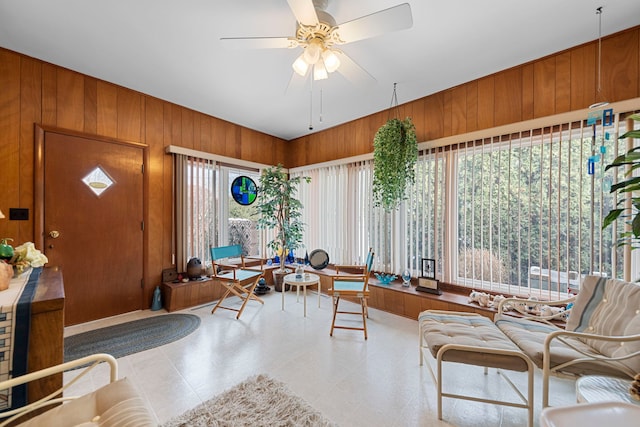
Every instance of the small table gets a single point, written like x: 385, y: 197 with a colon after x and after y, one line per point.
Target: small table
x: 307, y: 279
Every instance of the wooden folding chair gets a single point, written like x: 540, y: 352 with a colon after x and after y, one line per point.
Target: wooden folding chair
x: 238, y: 280
x: 351, y: 285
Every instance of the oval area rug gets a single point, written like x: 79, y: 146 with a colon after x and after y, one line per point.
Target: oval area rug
x: 131, y: 337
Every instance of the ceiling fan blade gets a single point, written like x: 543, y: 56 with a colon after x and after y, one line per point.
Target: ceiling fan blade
x: 296, y: 83
x: 304, y: 11
x: 353, y: 72
x: 258, y: 42
x: 385, y: 21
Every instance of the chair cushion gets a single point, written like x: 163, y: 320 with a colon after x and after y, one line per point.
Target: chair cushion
x: 240, y: 275
x: 348, y: 286
x: 608, y: 307
x: 439, y: 329
x: 116, y: 404
x: 530, y: 335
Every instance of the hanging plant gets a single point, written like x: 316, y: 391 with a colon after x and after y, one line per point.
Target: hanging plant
x: 395, y: 152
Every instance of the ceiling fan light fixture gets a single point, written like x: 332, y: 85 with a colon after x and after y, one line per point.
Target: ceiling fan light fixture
x: 300, y: 66
x: 320, y: 71
x: 312, y: 51
x: 331, y: 60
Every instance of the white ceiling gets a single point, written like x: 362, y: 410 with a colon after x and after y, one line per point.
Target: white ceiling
x: 171, y: 49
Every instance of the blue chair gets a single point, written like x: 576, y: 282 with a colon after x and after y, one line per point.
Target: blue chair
x: 353, y: 285
x: 236, y: 278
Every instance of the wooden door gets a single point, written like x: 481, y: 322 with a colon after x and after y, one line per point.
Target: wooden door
x: 93, y: 223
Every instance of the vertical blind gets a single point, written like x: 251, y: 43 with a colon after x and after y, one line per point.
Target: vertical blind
x: 511, y: 213
x: 195, y: 207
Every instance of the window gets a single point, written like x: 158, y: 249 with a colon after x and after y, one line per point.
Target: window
x: 529, y: 210
x: 195, y: 209
x: 516, y: 213
x: 237, y: 223
x: 205, y: 212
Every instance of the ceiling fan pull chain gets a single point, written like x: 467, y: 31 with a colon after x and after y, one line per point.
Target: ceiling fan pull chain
x: 311, y: 106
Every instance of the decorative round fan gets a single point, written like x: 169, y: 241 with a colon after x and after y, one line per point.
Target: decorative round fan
x: 318, y: 35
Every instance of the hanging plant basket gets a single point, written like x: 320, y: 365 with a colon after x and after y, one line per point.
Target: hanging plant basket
x: 395, y: 152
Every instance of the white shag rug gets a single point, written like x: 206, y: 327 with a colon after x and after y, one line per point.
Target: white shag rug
x: 257, y: 401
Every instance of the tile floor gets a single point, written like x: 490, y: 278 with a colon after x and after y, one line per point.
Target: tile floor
x: 353, y: 382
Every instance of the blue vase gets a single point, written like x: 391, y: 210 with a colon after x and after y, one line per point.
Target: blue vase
x: 156, y: 303
x: 406, y: 278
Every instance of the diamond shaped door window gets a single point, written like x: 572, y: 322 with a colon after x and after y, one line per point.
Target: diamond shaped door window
x: 98, y: 181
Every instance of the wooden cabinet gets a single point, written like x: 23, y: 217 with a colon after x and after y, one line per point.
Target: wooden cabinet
x: 46, y: 336
x: 406, y: 301
x: 176, y: 296
x: 179, y: 295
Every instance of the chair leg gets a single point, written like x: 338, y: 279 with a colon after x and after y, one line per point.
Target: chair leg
x: 362, y: 313
x: 365, y: 314
x: 336, y: 301
x: 226, y: 294
x: 249, y: 295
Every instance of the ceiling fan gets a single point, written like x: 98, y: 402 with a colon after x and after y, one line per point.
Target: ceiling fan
x: 318, y: 35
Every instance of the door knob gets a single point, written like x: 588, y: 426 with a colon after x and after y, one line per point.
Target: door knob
x: 54, y: 234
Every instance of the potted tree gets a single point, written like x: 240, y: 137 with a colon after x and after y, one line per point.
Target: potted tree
x: 280, y: 210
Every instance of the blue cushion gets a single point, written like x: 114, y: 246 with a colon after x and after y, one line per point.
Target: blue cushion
x: 345, y: 285
x: 240, y: 274
x: 232, y: 251
x: 369, y: 262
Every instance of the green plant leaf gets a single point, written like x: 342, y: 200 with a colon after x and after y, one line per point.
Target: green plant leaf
x: 623, y: 184
x: 395, y: 152
x: 631, y: 134
x: 611, y: 217
x: 279, y: 209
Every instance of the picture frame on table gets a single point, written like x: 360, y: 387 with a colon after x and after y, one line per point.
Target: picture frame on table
x: 427, y: 282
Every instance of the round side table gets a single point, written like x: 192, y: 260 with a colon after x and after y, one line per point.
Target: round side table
x: 307, y: 279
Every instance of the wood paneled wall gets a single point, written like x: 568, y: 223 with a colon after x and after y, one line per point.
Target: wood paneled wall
x: 559, y: 83
x: 32, y: 91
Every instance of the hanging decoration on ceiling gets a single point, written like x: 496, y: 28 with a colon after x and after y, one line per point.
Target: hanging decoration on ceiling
x: 597, y: 113
x: 395, y: 152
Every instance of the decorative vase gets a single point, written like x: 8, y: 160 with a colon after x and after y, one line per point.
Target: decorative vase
x: 385, y: 279
x: 6, y: 250
x: 156, y: 303
x: 406, y: 278
x: 194, y: 268
x: 299, y: 271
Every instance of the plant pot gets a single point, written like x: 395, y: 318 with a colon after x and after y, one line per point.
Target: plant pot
x: 278, y: 279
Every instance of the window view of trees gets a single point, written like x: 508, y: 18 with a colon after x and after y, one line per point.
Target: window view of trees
x: 529, y: 204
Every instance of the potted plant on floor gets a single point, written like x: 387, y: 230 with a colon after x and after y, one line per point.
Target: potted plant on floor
x: 281, y: 211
